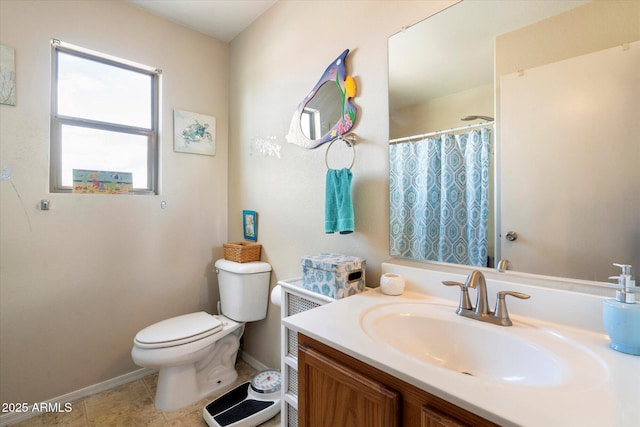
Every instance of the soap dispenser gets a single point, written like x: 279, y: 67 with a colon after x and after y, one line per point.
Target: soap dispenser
x: 621, y: 315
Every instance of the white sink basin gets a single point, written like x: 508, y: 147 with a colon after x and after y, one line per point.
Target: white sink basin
x: 522, y: 354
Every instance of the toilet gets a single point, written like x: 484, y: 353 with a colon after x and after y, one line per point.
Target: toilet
x: 195, y: 353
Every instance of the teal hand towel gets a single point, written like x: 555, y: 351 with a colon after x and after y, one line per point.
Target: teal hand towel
x: 338, y: 208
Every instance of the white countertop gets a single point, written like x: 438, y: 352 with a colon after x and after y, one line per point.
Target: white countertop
x: 613, y: 401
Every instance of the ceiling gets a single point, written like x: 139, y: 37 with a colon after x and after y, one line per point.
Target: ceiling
x: 221, y: 19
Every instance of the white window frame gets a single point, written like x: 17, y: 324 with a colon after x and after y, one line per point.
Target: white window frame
x: 57, y: 120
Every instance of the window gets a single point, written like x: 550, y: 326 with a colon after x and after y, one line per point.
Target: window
x: 104, y: 117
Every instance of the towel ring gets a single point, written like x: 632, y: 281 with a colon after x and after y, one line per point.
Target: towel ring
x: 350, y: 140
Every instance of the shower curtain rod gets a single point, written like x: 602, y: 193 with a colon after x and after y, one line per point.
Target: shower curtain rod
x: 438, y: 132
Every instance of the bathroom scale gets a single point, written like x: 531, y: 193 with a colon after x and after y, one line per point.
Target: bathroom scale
x: 249, y: 404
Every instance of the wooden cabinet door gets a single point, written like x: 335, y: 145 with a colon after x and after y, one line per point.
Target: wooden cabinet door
x: 331, y: 394
x: 431, y: 417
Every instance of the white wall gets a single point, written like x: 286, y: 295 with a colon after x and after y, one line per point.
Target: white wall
x: 274, y: 64
x: 77, y: 282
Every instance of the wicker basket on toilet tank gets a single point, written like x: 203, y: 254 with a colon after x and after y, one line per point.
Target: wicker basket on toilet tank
x: 242, y: 251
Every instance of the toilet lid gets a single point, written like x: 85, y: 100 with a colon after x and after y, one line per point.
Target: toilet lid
x: 178, y: 330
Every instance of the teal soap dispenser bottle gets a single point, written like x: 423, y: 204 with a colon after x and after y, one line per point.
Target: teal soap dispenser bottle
x: 621, y: 316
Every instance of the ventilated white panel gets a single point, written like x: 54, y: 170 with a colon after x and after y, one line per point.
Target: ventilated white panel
x: 292, y: 416
x: 293, y: 380
x: 292, y: 343
x: 294, y: 301
x: 298, y: 304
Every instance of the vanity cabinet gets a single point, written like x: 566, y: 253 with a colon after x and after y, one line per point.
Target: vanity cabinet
x: 337, y: 389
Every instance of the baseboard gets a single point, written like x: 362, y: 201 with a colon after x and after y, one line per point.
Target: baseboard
x: 253, y: 362
x: 74, y: 396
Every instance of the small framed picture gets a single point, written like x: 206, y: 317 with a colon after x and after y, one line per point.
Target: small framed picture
x: 250, y: 225
x: 194, y: 133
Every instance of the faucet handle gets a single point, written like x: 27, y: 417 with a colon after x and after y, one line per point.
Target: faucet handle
x: 626, y: 268
x: 520, y: 295
x: 465, y: 302
x: 501, y: 306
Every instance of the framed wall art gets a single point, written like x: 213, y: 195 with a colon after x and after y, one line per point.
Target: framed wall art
x: 102, y: 182
x: 194, y: 133
x: 250, y: 225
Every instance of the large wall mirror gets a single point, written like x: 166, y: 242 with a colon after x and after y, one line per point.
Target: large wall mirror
x: 559, y: 170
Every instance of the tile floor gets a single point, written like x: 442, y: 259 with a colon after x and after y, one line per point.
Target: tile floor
x: 132, y: 405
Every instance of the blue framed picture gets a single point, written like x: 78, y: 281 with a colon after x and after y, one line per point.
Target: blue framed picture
x: 250, y: 225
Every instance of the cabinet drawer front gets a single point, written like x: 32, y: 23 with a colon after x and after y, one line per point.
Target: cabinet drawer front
x: 431, y: 417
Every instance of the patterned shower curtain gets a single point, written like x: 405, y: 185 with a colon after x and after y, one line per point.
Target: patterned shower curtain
x: 439, y: 198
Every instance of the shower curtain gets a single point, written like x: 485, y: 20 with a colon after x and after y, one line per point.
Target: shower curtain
x: 439, y: 198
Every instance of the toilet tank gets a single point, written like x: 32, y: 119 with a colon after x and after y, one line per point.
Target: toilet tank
x: 244, y: 289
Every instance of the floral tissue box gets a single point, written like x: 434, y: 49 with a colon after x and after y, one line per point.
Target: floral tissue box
x: 334, y: 275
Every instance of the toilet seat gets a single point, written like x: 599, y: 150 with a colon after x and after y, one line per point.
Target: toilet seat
x: 178, y: 330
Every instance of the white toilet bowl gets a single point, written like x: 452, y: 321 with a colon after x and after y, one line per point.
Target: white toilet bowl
x: 192, y: 367
x: 196, y: 353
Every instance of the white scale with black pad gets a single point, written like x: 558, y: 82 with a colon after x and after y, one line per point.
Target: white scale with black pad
x: 248, y: 405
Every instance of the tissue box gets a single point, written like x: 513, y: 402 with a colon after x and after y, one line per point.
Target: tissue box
x: 334, y: 275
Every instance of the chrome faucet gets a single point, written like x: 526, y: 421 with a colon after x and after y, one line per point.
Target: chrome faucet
x: 475, y: 280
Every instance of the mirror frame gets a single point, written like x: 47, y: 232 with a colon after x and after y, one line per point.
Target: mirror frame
x: 336, y: 72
